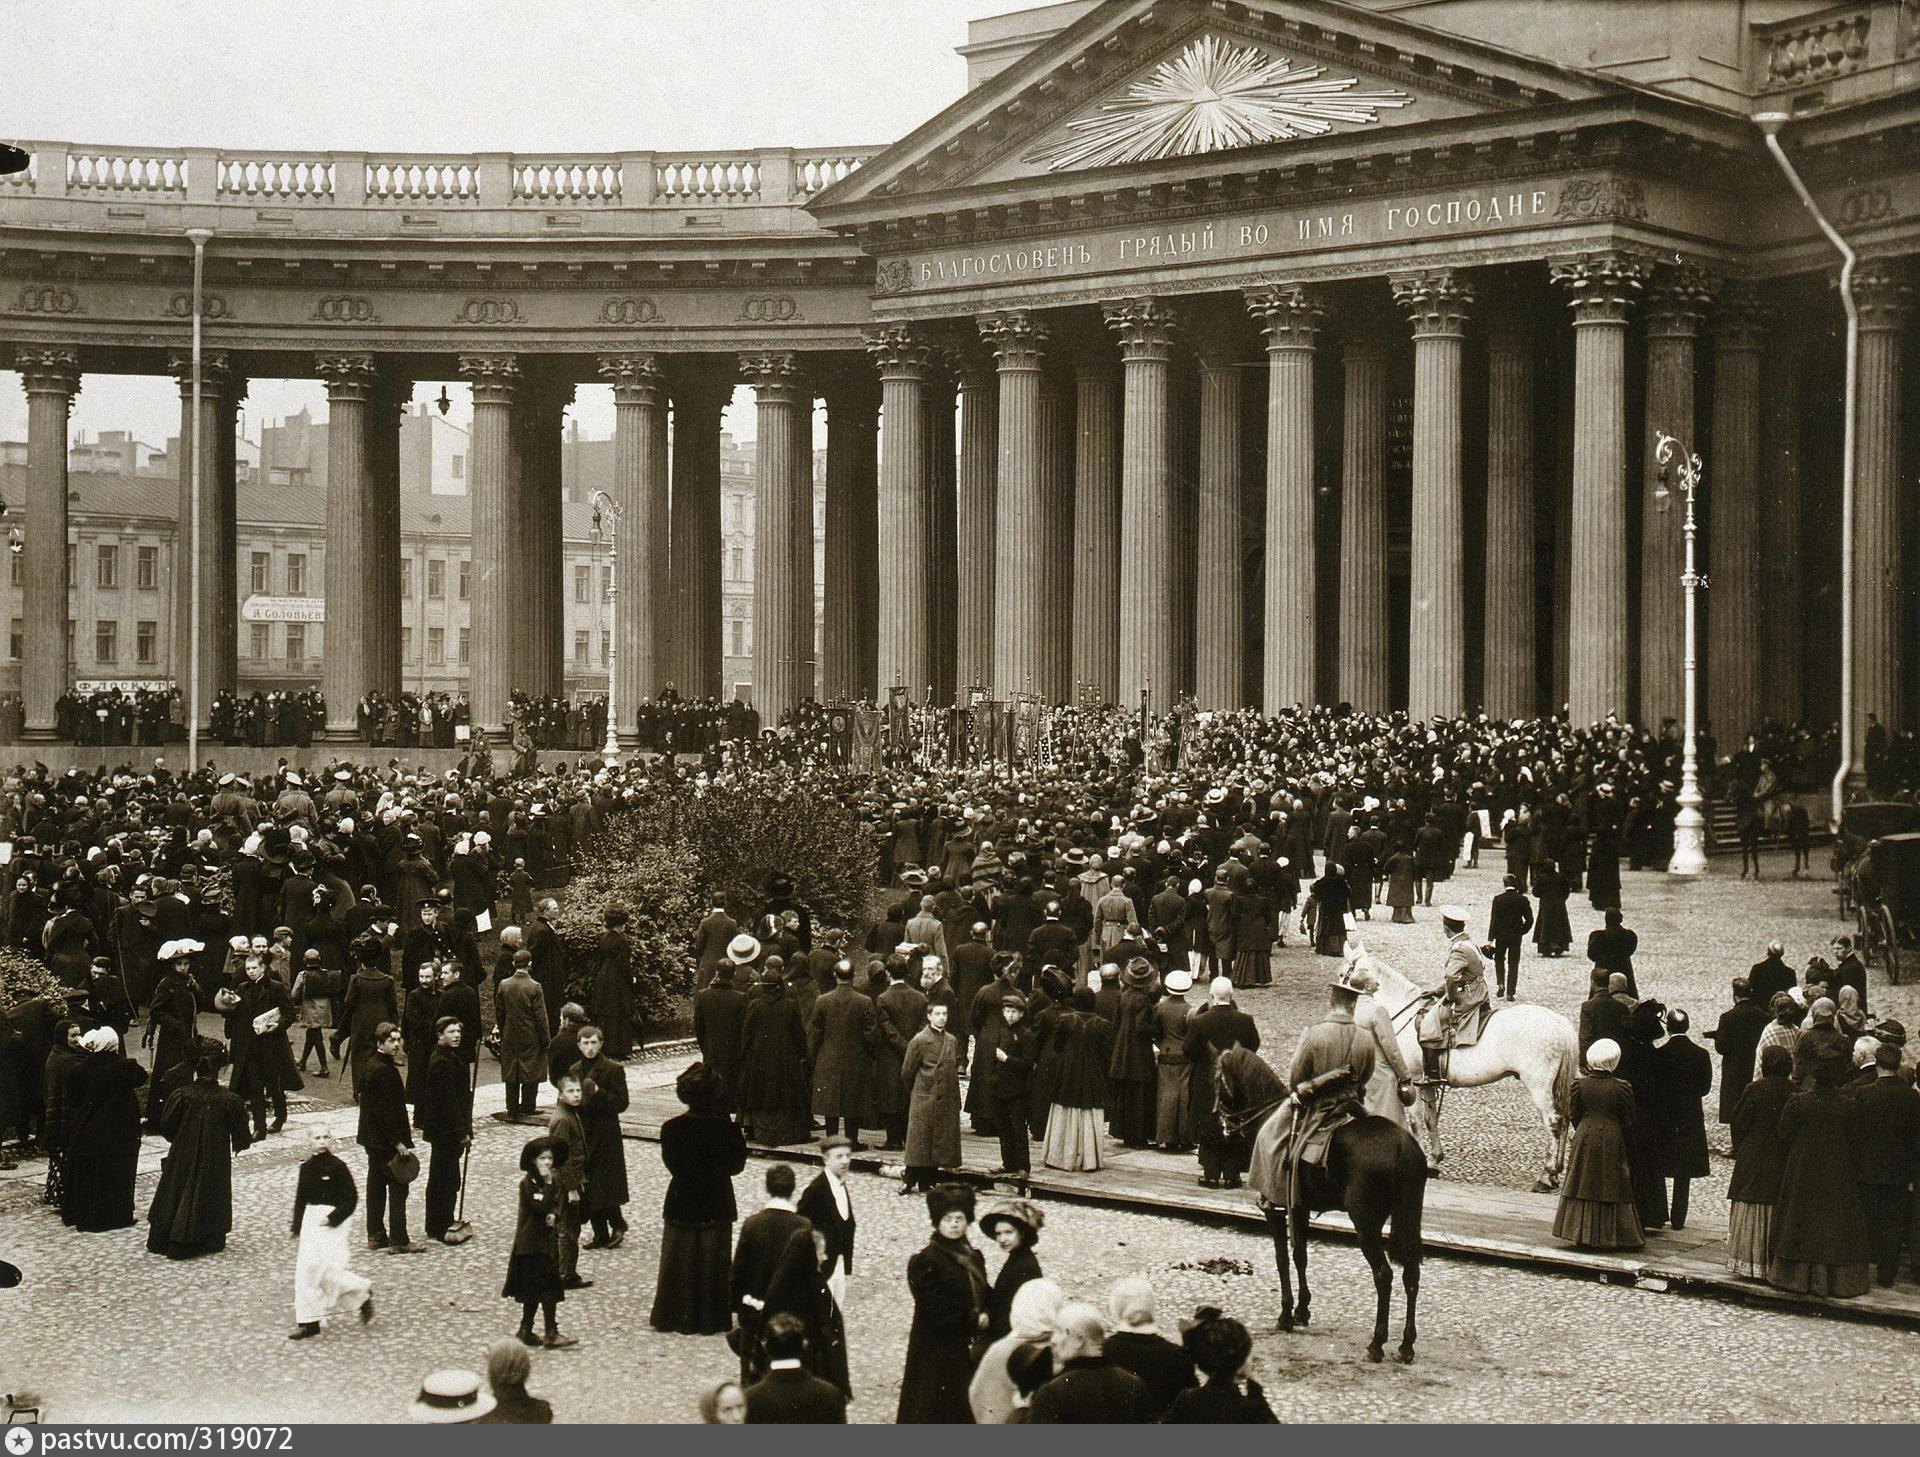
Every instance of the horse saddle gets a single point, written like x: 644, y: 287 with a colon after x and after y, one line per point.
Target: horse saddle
x: 1319, y: 1108
x: 1466, y: 1031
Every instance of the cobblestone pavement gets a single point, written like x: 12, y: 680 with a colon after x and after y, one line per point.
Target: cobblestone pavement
x: 101, y: 1330
x: 1694, y: 939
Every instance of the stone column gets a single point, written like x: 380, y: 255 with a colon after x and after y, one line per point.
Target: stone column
x: 1732, y: 492
x: 699, y: 395
x: 640, y: 632
x: 976, y: 491
x: 853, y: 401
x: 221, y: 655
x: 498, y: 603
x: 539, y: 418
x: 1604, y: 289
x: 778, y: 657
x: 1780, y: 525
x: 905, y: 513
x: 1436, y: 302
x: 52, y: 378
x: 1146, y: 330
x: 1183, y: 416
x: 353, y: 388
x: 1054, y: 678
x: 1017, y: 340
x: 1218, y: 630
x: 1364, y: 679
x: 219, y: 592
x: 1289, y: 316
x: 1882, y: 289
x: 382, y: 590
x: 1677, y: 303
x: 1096, y: 522
x: 943, y: 533
x: 1509, y: 583
x: 798, y: 544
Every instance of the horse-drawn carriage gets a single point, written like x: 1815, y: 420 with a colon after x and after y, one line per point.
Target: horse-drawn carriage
x: 1877, y: 866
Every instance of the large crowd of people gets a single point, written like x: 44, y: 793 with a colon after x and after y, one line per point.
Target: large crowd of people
x: 1057, y: 960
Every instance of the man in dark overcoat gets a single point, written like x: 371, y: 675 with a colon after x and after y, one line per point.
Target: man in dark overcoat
x: 719, y: 1019
x: 263, y: 1069
x: 446, y: 1122
x: 840, y: 1037
x: 1888, y: 1125
x: 1509, y: 919
x: 1682, y: 1076
x: 902, y: 1010
x: 520, y: 1012
x: 603, y: 1098
x: 383, y: 1132
x: 1210, y: 1033
x: 764, y: 1237
x: 1737, y: 1039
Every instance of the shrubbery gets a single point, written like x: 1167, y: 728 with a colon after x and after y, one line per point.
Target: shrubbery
x: 651, y: 881
x: 24, y: 977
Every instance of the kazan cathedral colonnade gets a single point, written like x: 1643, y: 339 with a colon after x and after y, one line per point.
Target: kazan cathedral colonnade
x: 1272, y: 352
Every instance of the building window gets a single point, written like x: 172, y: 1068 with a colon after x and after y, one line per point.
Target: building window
x: 296, y: 641
x: 736, y: 564
x: 259, y: 640
x: 459, y: 466
x: 580, y: 648
x: 106, y: 566
x: 14, y: 643
x: 106, y: 642
x: 466, y: 583
x: 436, y: 579
x: 436, y: 645
x: 257, y: 582
x: 582, y: 583
x: 737, y: 633
x: 606, y: 646
x: 406, y: 577
x: 296, y: 574
x: 406, y: 645
x: 146, y: 642
x: 466, y: 644
x: 146, y: 568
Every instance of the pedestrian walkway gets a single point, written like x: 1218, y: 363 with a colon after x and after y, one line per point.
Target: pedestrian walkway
x: 1471, y: 1221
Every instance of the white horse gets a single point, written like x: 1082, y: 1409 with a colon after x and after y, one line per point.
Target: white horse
x: 1530, y: 1043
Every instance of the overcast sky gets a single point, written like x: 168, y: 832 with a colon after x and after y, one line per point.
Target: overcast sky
x: 463, y: 76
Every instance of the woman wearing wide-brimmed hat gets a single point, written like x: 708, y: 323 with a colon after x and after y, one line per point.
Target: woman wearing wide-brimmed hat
x: 1014, y: 1225
x: 1132, y: 1074
x: 533, y: 1271
x: 703, y: 1149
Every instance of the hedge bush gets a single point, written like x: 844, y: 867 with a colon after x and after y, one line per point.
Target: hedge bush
x: 24, y: 977
x: 651, y: 881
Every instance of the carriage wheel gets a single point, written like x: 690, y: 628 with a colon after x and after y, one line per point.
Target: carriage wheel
x: 1890, y: 934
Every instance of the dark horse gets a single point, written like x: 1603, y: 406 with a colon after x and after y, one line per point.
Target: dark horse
x: 1374, y: 1171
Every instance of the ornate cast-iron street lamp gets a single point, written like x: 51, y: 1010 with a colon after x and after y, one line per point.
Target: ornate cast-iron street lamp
x: 1689, y: 826
x: 602, y: 503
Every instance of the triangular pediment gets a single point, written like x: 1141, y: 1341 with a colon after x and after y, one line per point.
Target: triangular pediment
x: 1145, y: 83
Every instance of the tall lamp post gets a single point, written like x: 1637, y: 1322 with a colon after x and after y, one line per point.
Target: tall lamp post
x: 1689, y: 826
x: 602, y: 503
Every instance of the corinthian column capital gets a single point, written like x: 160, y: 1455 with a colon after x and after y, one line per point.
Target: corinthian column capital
x: 1678, y: 298
x: 1017, y: 339
x: 1436, y: 302
x: 1883, y: 293
x: 636, y: 378
x: 1603, y: 286
x: 1287, y: 314
x: 1739, y: 316
x: 48, y: 370
x: 1145, y: 327
x: 349, y: 377
x: 215, y: 370
x: 900, y: 352
x: 494, y: 377
x: 774, y: 375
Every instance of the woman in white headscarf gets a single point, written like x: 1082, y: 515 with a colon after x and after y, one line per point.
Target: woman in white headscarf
x: 103, y: 1149
x: 993, y: 1394
x: 1597, y: 1209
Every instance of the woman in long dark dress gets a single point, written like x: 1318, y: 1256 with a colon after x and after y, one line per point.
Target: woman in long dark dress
x: 205, y: 1125
x: 702, y: 1148
x: 1254, y: 930
x: 1552, y: 931
x: 533, y: 1271
x: 799, y: 1288
x: 1132, y: 1073
x: 1603, y: 868
x: 56, y: 1119
x: 1015, y: 1226
x: 1330, y: 902
x: 948, y: 1282
x: 1083, y: 1045
x: 1820, y: 1244
x: 612, y: 1003
x: 1597, y: 1207
x: 1759, y: 1161
x: 774, y: 1095
x: 104, y: 1150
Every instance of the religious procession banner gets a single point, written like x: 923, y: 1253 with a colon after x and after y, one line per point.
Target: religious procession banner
x: 839, y: 733
x: 864, y: 757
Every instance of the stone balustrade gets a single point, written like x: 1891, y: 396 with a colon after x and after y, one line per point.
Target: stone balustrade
x: 450, y: 192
